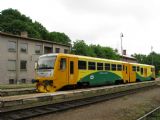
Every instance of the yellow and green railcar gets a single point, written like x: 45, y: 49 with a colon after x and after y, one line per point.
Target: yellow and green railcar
x: 55, y: 71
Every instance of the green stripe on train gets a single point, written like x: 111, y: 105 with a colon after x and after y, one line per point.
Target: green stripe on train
x: 143, y: 78
x: 101, y: 78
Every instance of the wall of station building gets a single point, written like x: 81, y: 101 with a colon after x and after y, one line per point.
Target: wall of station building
x: 17, y: 66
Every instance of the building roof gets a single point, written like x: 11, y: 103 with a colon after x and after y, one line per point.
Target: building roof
x: 32, y: 39
x: 128, y: 57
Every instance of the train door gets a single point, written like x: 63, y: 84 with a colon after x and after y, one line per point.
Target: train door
x: 132, y: 73
x: 73, y: 70
x: 145, y: 72
x: 125, y: 72
x: 62, y: 75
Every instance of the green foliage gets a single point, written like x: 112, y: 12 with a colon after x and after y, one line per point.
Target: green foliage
x: 140, y: 58
x: 12, y: 21
x: 152, y: 58
x: 59, y: 37
x: 81, y: 48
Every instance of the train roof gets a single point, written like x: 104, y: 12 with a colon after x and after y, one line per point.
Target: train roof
x: 49, y: 55
x: 82, y: 57
x: 141, y: 64
x: 93, y: 58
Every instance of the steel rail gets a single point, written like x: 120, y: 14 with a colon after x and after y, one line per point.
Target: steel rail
x: 149, y: 114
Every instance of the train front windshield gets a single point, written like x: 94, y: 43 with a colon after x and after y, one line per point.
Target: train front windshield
x: 46, y: 62
x: 45, y: 66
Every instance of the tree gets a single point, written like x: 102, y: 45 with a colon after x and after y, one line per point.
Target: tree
x: 153, y: 57
x: 81, y: 48
x: 140, y: 58
x: 59, y: 37
x: 12, y: 21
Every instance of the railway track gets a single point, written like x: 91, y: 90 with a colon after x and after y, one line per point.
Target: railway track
x: 152, y: 115
x: 52, y: 108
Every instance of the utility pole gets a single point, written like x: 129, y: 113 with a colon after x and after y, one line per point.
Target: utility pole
x: 121, y: 35
x: 152, y: 53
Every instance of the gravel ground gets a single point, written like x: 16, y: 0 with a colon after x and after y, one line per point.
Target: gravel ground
x: 125, y: 108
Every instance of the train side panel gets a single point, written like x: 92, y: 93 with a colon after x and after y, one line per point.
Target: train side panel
x: 143, y: 72
x: 100, y: 76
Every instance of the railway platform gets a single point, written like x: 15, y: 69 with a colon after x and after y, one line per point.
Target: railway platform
x: 10, y: 103
x: 11, y: 92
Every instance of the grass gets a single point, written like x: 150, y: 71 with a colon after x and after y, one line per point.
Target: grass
x: 16, y: 86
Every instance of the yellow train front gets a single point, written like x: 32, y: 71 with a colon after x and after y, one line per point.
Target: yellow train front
x: 55, y: 71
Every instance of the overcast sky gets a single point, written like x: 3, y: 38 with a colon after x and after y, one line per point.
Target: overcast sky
x: 98, y: 21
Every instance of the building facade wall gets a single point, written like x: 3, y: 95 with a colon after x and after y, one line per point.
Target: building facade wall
x: 19, y: 75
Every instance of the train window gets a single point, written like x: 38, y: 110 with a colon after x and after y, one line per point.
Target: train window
x: 71, y: 67
x: 82, y: 65
x: 152, y: 70
x: 113, y: 67
x: 123, y: 68
x: 119, y: 67
x: 99, y: 66
x: 91, y: 66
x: 63, y: 64
x: 126, y: 70
x: 133, y: 68
x: 137, y: 68
x: 107, y: 66
x: 141, y: 70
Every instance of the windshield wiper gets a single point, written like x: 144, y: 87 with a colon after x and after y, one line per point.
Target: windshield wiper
x: 45, y: 68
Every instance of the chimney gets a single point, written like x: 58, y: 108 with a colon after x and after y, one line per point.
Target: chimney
x: 24, y: 34
x: 124, y: 52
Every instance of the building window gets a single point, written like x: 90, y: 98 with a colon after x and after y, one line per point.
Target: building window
x: 11, y: 81
x: 119, y: 67
x: 113, y: 67
x: 99, y: 66
x: 11, y: 46
x: 107, y: 66
x: 12, y: 65
x: 38, y: 49
x: 23, y: 80
x: 48, y: 50
x: 57, y: 50
x: 82, y: 65
x: 24, y: 47
x: 66, y: 51
x: 23, y: 65
x: 91, y: 66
